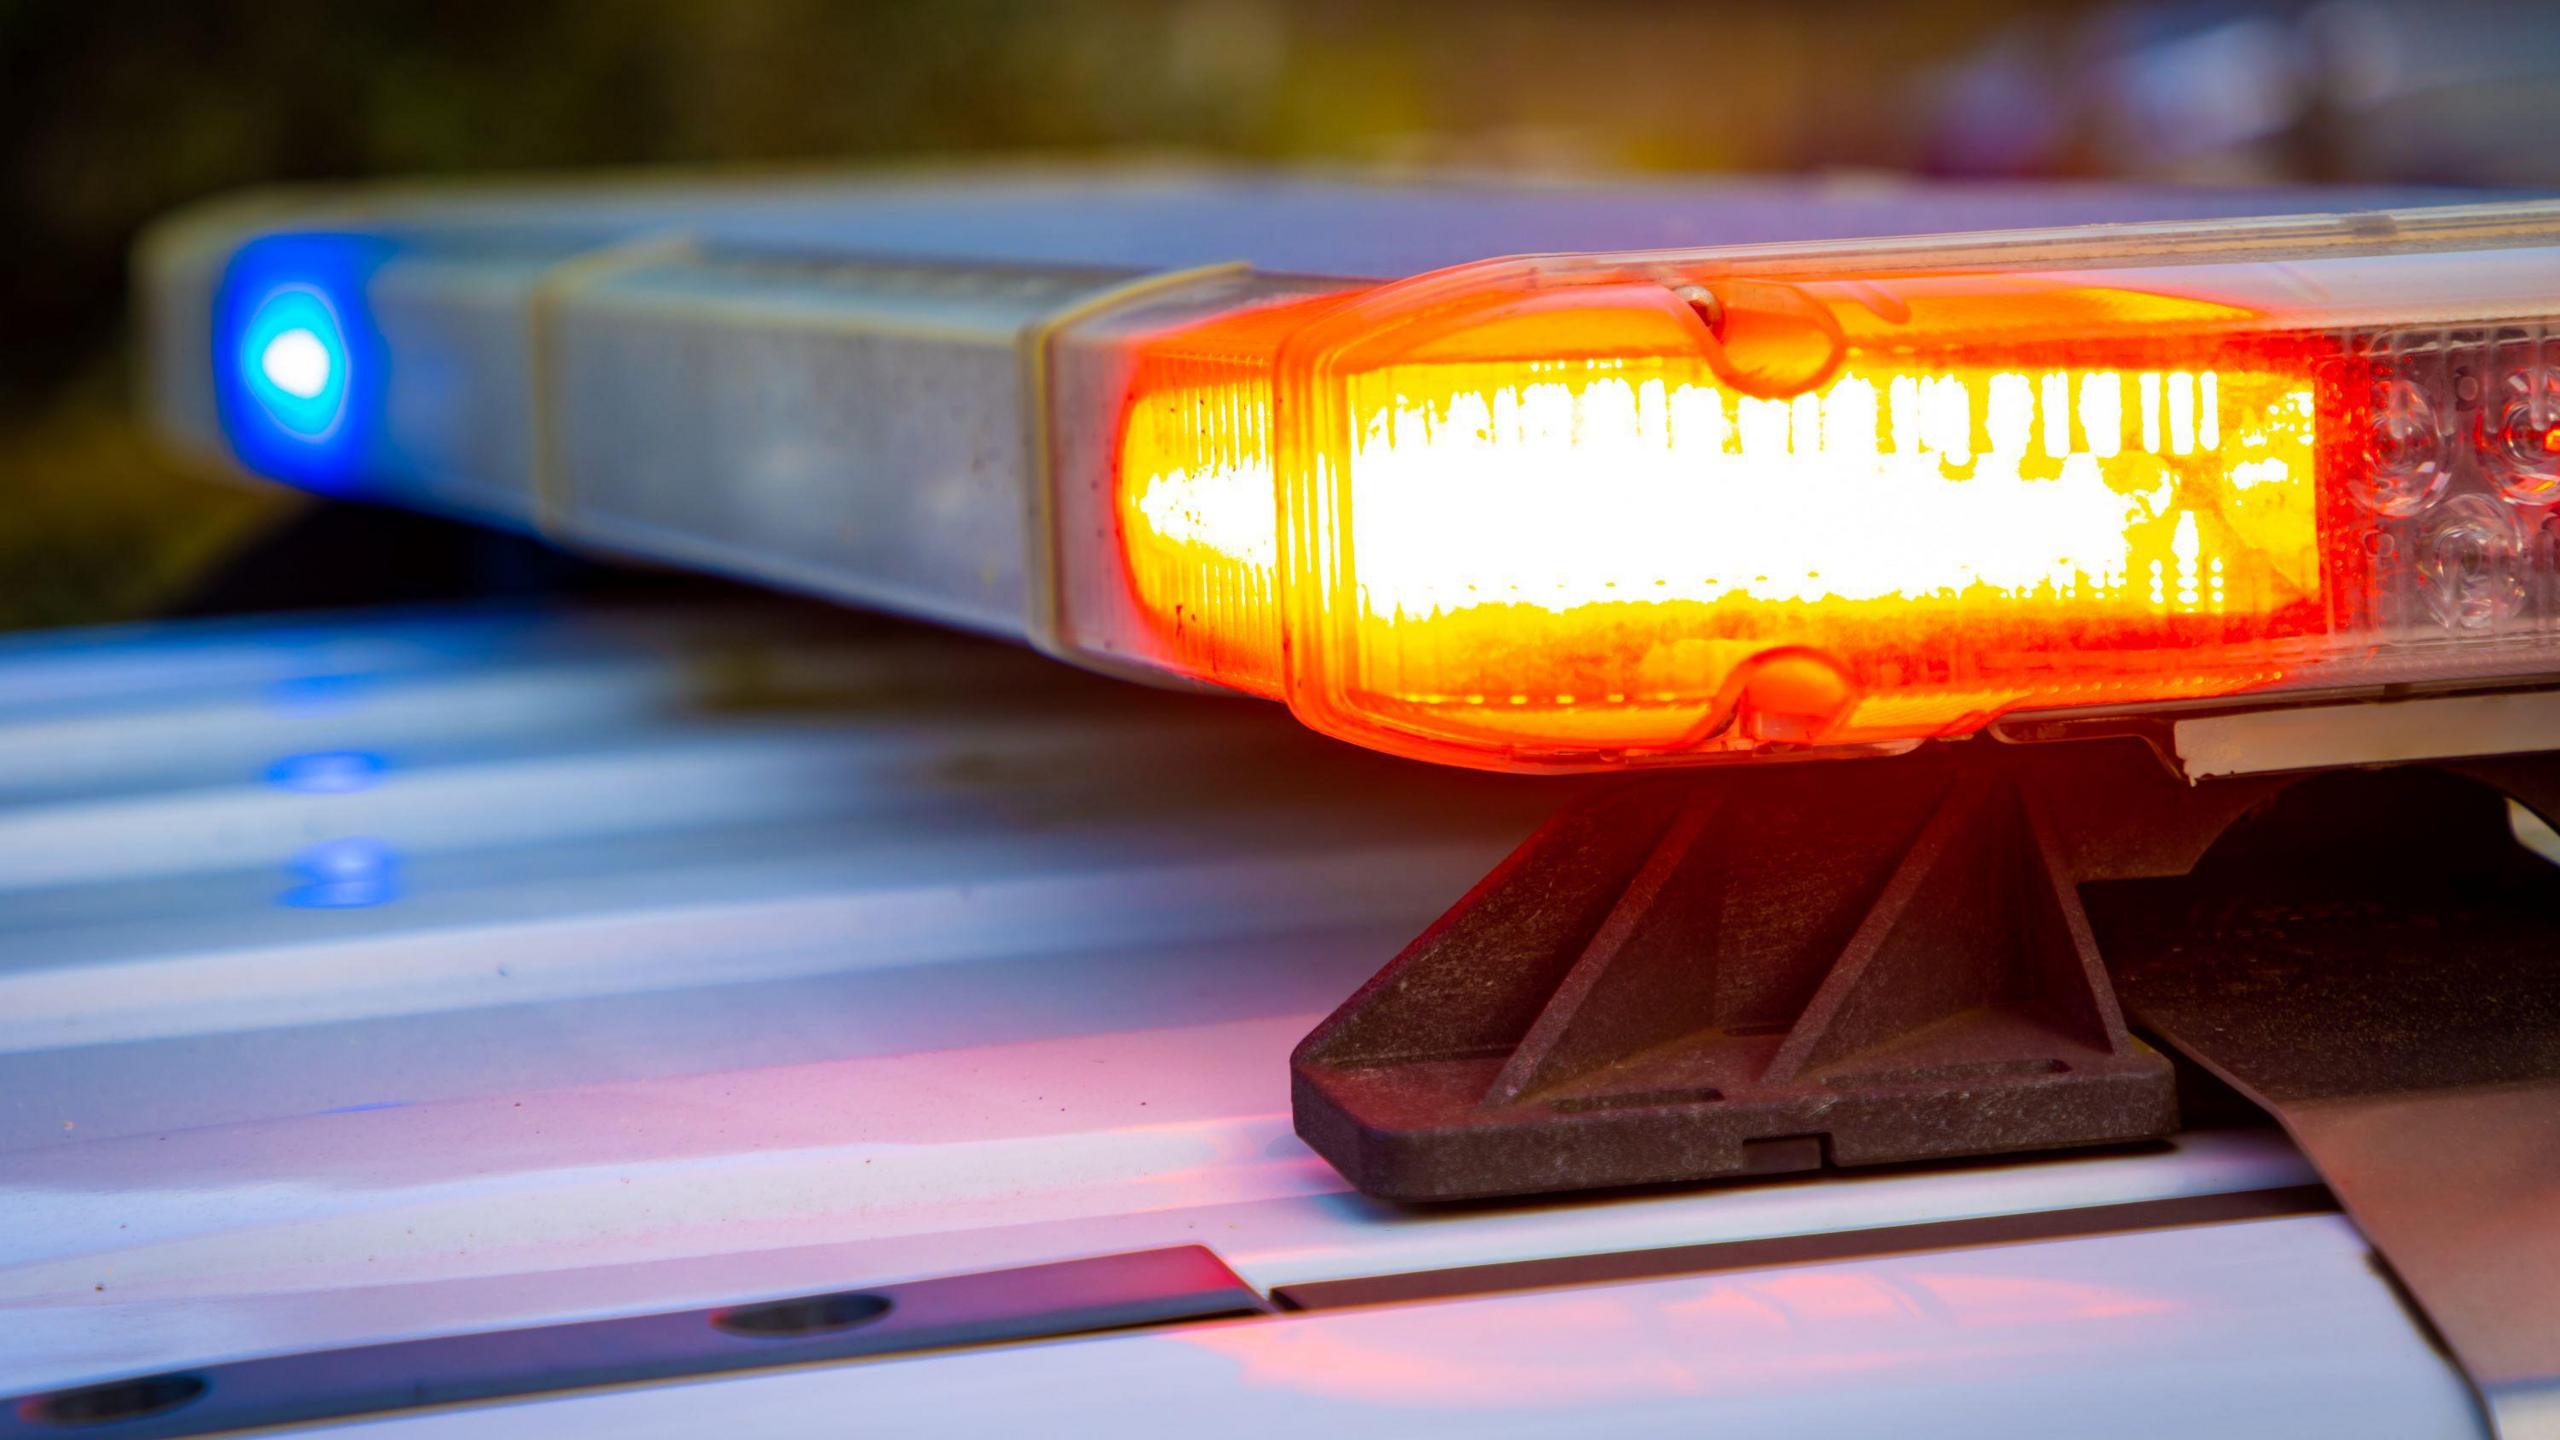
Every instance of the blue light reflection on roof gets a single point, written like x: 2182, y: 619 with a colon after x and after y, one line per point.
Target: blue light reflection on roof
x: 319, y: 693
x: 298, y: 369
x: 347, y: 873
x: 327, y: 772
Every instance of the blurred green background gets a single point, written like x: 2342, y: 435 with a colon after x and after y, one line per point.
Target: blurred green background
x: 113, y: 113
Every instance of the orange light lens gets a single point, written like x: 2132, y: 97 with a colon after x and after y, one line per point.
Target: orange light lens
x: 1598, y: 555
x: 1567, y: 531
x: 1194, y: 495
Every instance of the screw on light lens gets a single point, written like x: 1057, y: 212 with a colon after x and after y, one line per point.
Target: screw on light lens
x: 2470, y: 563
x: 2409, y: 466
x: 1771, y: 341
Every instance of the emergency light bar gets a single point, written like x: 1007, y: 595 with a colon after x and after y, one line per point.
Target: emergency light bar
x: 1562, y: 512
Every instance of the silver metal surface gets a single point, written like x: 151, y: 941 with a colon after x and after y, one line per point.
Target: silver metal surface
x: 374, y: 979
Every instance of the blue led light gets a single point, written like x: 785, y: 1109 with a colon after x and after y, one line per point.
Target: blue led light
x: 298, y: 367
x: 293, y: 356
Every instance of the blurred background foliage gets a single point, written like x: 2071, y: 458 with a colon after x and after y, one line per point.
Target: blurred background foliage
x: 113, y: 113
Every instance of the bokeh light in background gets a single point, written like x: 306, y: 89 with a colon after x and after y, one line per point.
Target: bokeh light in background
x: 114, y: 113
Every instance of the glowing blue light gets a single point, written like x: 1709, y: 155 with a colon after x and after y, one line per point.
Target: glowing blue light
x: 298, y: 369
x: 293, y: 359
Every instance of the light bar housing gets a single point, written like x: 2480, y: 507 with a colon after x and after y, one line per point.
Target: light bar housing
x: 1550, y: 513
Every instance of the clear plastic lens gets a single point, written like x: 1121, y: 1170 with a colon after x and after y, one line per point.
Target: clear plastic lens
x: 2469, y: 556
x: 2411, y: 457
x: 2471, y: 564
x: 2521, y: 435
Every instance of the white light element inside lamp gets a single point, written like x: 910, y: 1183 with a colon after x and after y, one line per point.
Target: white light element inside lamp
x: 296, y: 362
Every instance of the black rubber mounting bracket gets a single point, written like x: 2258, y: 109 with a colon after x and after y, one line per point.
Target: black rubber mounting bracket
x: 1771, y: 969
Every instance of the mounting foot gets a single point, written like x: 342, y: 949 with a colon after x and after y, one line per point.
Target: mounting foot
x: 1750, y: 973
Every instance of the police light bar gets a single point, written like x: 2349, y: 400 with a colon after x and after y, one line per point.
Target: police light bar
x: 1561, y: 512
